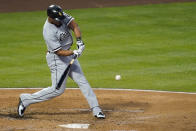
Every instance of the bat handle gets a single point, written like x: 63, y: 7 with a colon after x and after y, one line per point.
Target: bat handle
x: 72, y: 61
x: 74, y: 56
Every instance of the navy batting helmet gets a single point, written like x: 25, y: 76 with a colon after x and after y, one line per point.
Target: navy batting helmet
x: 55, y: 12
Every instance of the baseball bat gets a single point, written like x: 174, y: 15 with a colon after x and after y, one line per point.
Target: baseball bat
x: 65, y: 73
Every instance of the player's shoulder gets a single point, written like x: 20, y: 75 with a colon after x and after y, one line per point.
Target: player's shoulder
x: 49, y: 29
x: 68, y: 18
x: 49, y: 26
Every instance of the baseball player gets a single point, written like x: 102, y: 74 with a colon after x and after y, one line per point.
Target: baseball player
x: 58, y: 38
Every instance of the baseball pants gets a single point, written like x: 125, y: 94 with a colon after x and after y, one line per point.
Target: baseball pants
x: 57, y: 65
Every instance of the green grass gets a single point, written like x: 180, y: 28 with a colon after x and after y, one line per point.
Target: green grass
x: 150, y: 46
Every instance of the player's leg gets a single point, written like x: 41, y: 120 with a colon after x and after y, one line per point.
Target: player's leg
x: 77, y: 75
x: 47, y: 93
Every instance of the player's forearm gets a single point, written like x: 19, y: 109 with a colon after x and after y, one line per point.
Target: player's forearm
x: 75, y: 28
x: 77, y: 32
x: 64, y: 52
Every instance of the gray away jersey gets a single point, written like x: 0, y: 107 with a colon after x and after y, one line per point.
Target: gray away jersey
x: 58, y: 37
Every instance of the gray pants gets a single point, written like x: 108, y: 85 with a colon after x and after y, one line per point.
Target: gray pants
x: 57, y: 65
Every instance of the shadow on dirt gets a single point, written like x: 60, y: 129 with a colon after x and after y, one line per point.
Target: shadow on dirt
x: 30, y: 115
x: 58, y: 113
x: 126, y: 105
x: 108, y: 108
x: 9, y: 116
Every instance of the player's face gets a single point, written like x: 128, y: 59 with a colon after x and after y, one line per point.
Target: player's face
x: 53, y: 21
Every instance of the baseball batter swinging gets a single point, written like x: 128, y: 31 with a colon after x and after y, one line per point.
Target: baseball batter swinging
x: 58, y: 38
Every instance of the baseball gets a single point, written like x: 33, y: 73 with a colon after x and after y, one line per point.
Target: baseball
x: 117, y: 77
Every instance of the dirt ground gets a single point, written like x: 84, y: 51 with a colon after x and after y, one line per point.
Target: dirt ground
x: 125, y: 111
x: 34, y: 5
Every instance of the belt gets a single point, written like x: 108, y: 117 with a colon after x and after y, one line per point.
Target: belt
x: 53, y: 52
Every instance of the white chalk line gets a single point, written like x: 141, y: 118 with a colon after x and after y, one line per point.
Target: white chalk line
x: 112, y: 89
x: 193, y: 93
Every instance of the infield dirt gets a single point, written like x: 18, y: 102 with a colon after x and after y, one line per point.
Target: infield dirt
x: 125, y: 110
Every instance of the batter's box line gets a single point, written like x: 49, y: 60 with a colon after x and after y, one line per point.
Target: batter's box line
x: 106, y: 110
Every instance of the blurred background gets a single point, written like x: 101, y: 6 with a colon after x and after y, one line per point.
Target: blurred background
x: 36, y: 5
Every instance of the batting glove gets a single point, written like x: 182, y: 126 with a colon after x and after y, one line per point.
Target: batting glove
x: 79, y: 43
x: 81, y: 48
x: 76, y: 53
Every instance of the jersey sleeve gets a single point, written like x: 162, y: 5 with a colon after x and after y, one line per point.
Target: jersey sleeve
x: 67, y: 19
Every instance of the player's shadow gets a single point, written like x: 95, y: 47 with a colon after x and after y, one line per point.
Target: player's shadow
x: 10, y: 116
x: 57, y: 113
x: 130, y: 104
x: 108, y: 109
x: 30, y: 115
x: 125, y: 107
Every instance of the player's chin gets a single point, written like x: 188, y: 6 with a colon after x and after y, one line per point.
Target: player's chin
x: 58, y: 23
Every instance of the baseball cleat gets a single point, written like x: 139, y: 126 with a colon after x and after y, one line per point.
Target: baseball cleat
x: 100, y: 115
x: 21, y: 108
